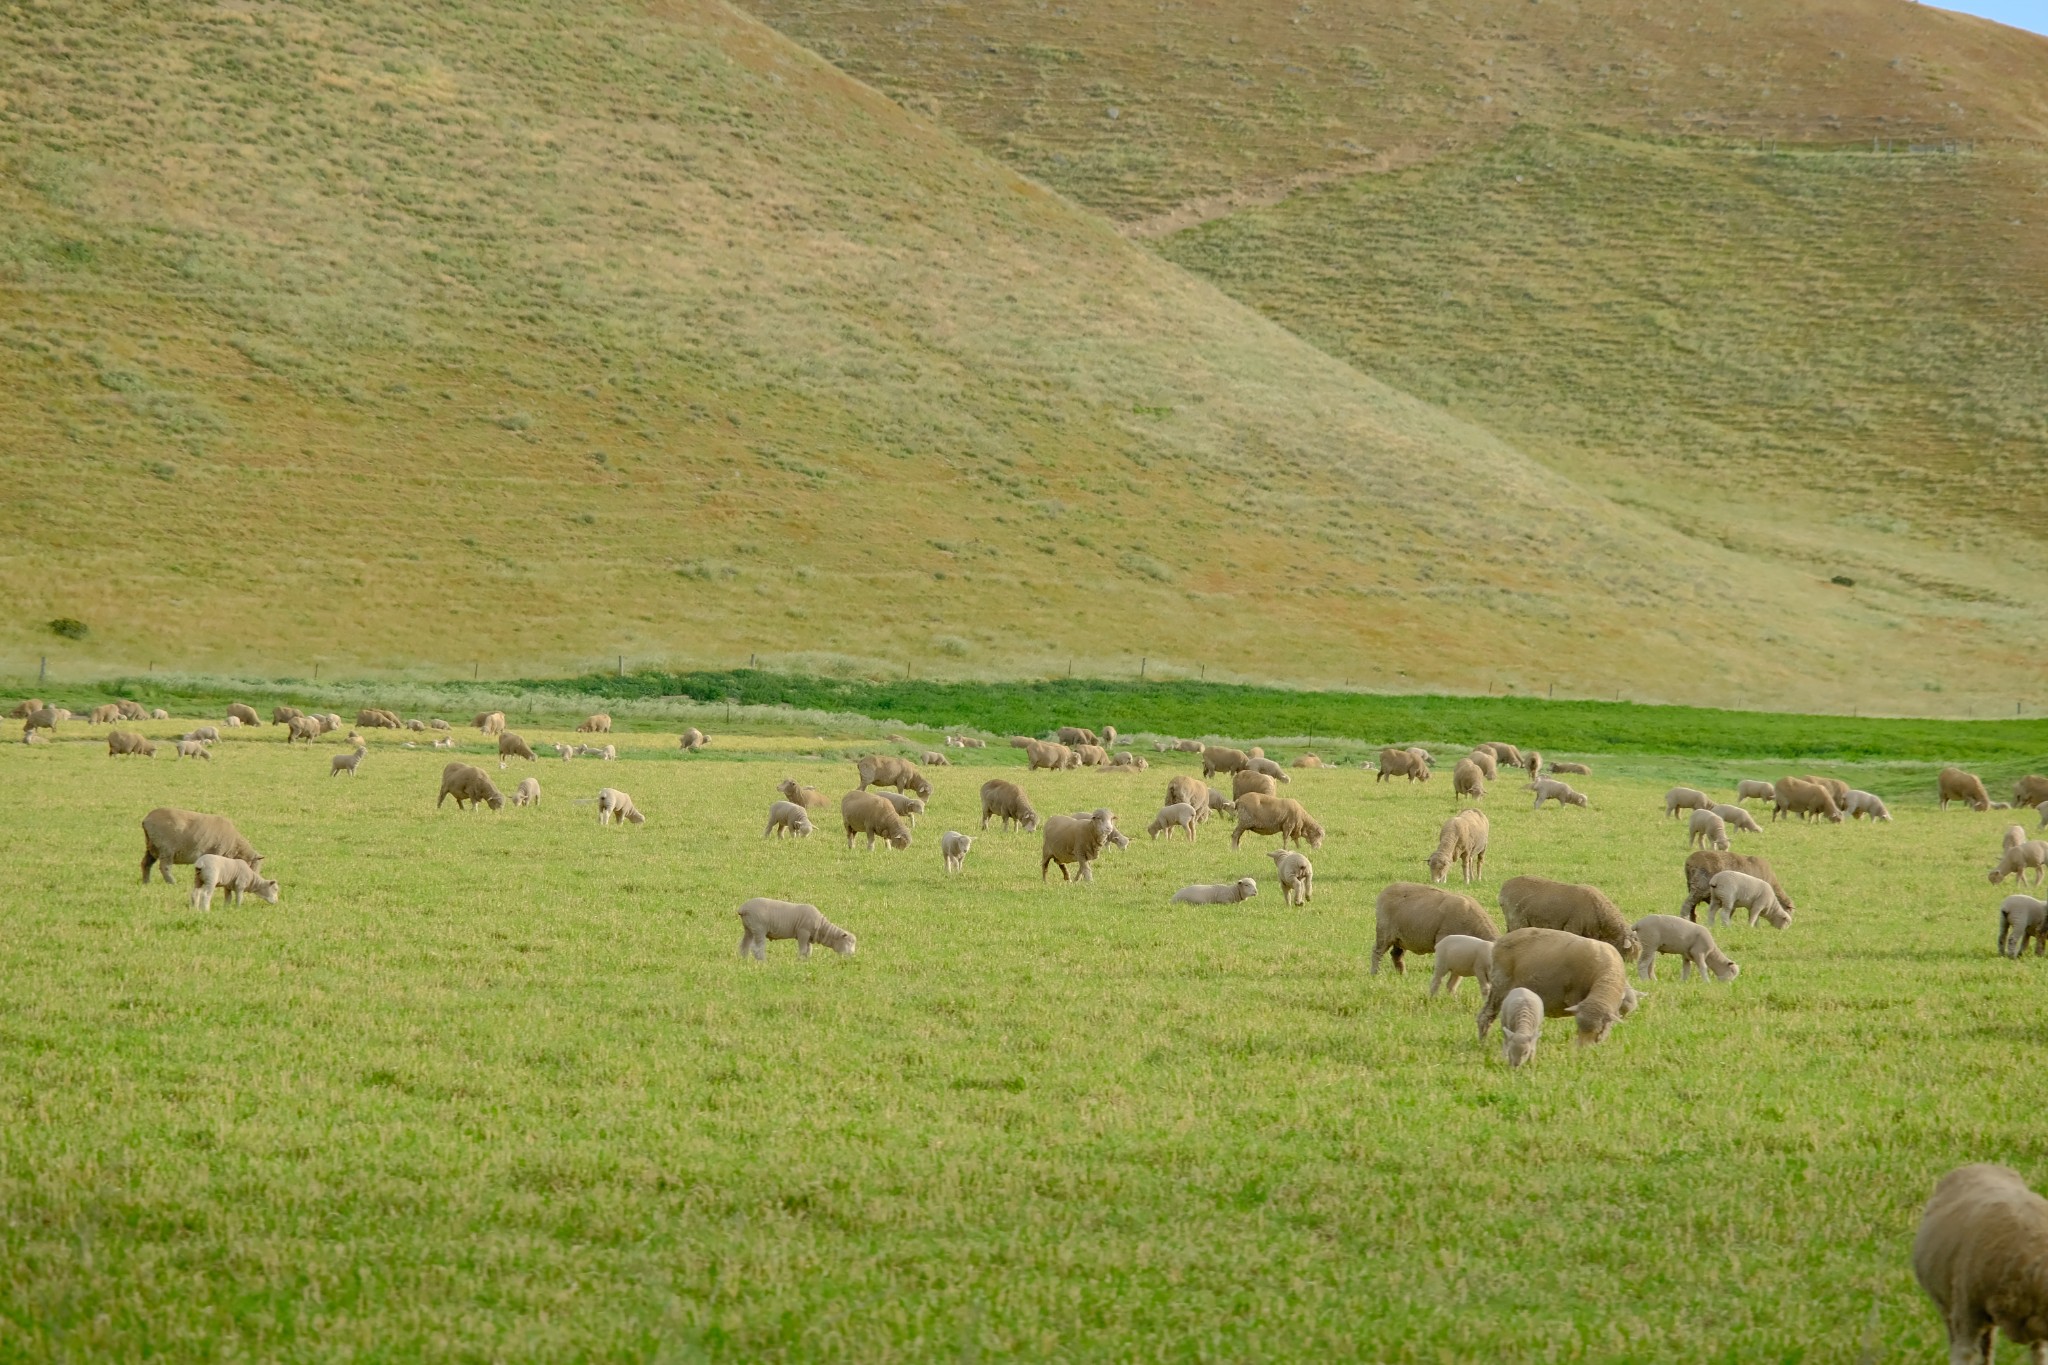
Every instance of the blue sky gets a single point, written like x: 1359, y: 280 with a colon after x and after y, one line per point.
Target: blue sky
x: 2028, y: 14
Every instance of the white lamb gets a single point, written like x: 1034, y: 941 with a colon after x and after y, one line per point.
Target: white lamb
x: 1459, y: 956
x: 953, y: 846
x: 1728, y: 892
x: 1521, y: 1025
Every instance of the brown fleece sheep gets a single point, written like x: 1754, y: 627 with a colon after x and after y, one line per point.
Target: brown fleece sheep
x: 1539, y: 903
x: 1837, y: 788
x: 1248, y: 783
x: 128, y: 742
x: 1482, y: 758
x: 1468, y: 779
x: 1978, y: 1255
x: 244, y: 713
x: 1306, y: 761
x: 1222, y: 759
x: 1279, y: 815
x: 24, y: 709
x: 170, y: 835
x: 1091, y: 755
x: 1071, y: 839
x: 1953, y: 784
x: 105, y: 714
x: 884, y: 770
x: 1806, y: 800
x: 2030, y: 791
x: 511, y: 746
x: 1412, y: 917
x: 1579, y: 768
x: 693, y: 739
x: 1189, y: 791
x: 490, y: 722
x: 1462, y: 840
x: 470, y: 786
x: 1006, y: 801
x: 598, y: 724
x: 1076, y: 734
x: 1040, y: 753
x: 810, y: 798
x: 1582, y: 977
x: 1701, y: 867
x: 762, y: 919
x: 867, y: 813
x: 280, y: 714
x: 1402, y: 763
x: 377, y: 718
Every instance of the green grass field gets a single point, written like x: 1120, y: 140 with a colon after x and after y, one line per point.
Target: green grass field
x: 496, y: 1086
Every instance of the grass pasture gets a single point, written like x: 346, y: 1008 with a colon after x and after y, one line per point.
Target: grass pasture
x: 496, y: 1086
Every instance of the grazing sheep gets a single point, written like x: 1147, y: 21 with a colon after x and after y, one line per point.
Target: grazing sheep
x: 1222, y: 759
x: 1413, y: 918
x: 1217, y: 893
x: 1075, y: 734
x: 209, y: 733
x: 932, y: 758
x: 1548, y: 789
x: 104, y: 715
x: 1039, y: 753
x: 1506, y: 754
x: 1700, y: 869
x: 346, y: 763
x: 1219, y: 803
x: 1402, y: 763
x: 490, y: 722
x: 614, y: 807
x: 194, y: 748
x: 234, y: 722
x: 762, y: 919
x: 1521, y: 1021
x: 416, y: 725
x: 377, y: 718
x: 1805, y: 799
x: 1482, y: 758
x: 527, y: 793
x: 1579, y: 769
x: 437, y: 724
x: 1461, y: 840
x: 867, y: 813
x: 1539, y: 903
x: 470, y: 786
x: 1581, y: 977
x: 42, y: 718
x: 1072, y: 839
x: 1468, y: 779
x: 1124, y: 758
x: 170, y: 835
x: 909, y: 807
x: 1459, y: 956
x: 1297, y: 875
x: 565, y: 752
x: 1007, y: 802
x: 1953, y: 784
x: 1751, y: 789
x: 1837, y: 788
x: 1978, y: 1255
x: 1730, y: 891
x: 969, y: 742
x: 24, y: 709
x: 787, y: 817
x: 1708, y: 830
x: 1190, y: 746
x: 808, y: 797
x: 128, y: 742
x: 1262, y: 764
x: 2021, y: 918
x: 1279, y: 815
x: 1741, y: 819
x: 1179, y: 816
x: 213, y: 872
x: 1857, y: 804
x: 1091, y: 755
x: 2017, y: 861
x: 693, y: 739
x: 159, y: 714
x: 1249, y: 783
x: 1190, y: 791
x: 1686, y: 798
x: 280, y: 714
x: 243, y: 714
x: 598, y: 724
x: 307, y: 728
x: 2030, y: 791
x: 1694, y: 943
x: 953, y: 846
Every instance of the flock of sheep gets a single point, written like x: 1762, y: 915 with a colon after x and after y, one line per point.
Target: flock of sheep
x: 1982, y: 1252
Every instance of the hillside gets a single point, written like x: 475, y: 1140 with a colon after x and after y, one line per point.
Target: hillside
x: 379, y: 337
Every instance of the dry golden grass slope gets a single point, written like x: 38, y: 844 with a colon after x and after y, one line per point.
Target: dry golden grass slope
x: 387, y: 336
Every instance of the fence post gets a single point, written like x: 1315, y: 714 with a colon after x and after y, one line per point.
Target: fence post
x: 1141, y: 669
x: 44, y: 671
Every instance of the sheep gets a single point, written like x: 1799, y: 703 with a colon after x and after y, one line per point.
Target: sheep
x: 1108, y: 740
x: 1581, y: 977
x: 1482, y: 758
x: 243, y: 714
x: 1953, y: 784
x: 24, y: 709
x: 2021, y: 918
x: 2014, y: 836
x: 328, y: 722
x: 762, y: 919
x: 953, y: 847
x: 1072, y: 839
x: 1730, y: 891
x: 1125, y: 759
x: 2033, y: 854
x: 1579, y: 769
x: 511, y: 746
x: 1279, y: 815
x: 1521, y: 1023
x: 1179, y: 816
x: 159, y: 714
x: 281, y: 714
x: 1190, y: 791
x: 1461, y: 840
x: 1686, y: 798
x: 377, y: 718
x: 490, y: 722
x: 1978, y: 1256
x: 1307, y: 761
x: 1708, y: 829
x: 213, y: 872
x: 416, y: 725
x: 445, y: 742
x: 527, y: 793
x: 808, y: 797
x: 599, y: 723
x: 1806, y: 799
x: 1741, y: 819
x: 128, y: 742
x: 1402, y: 763
x: 1692, y: 943
x: 437, y: 724
x: 194, y: 748
x: 2043, y: 809
x: 1217, y: 893
x: 909, y: 807
x: 1459, y: 956
x: 932, y: 758
x: 1700, y: 869
x: 1091, y: 755
x: 307, y: 728
x: 867, y: 813
x: 1075, y: 734
x: 170, y: 835
x: 2030, y: 791
x: 1116, y: 836
x: 1190, y: 746
x: 104, y: 715
x: 1222, y: 759
x: 1413, y: 918
x: 1539, y: 903
x: 1548, y: 789
x: 1837, y: 788
x: 1221, y: 804
x: 1506, y: 754
x: 42, y: 718
x: 787, y: 817
x: 34, y: 737
x: 565, y: 751
x: 1468, y: 779
x: 1262, y: 764
x: 1040, y: 753
x: 1751, y: 789
x: 209, y: 733
x: 470, y: 786
x: 346, y: 763
x: 1532, y: 763
x: 1007, y: 802
x: 1248, y: 783
x: 614, y: 807
x: 1296, y: 874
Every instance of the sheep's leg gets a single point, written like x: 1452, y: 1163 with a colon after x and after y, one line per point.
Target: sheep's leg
x: 1436, y: 978
x: 1489, y: 1008
x: 1399, y: 953
x: 148, y: 860
x: 1646, y: 966
x: 803, y: 946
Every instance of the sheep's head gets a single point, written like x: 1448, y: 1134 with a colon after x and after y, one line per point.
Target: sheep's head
x: 1631, y: 947
x: 914, y: 806
x: 1313, y: 832
x: 497, y: 802
x: 632, y: 813
x: 900, y: 840
x: 1721, y: 967
x: 840, y: 942
x: 1247, y: 887
x: 265, y: 889
x: 1029, y: 821
x: 1439, y: 865
x: 1594, y: 1018
x: 1518, y: 1048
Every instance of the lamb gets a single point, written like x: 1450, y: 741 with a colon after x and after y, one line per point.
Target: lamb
x: 1297, y: 875
x: 194, y: 748
x: 1579, y: 769
x: 1075, y: 734
x: 280, y: 714
x: 1482, y: 758
x: 445, y: 742
x: 1581, y: 977
x: 34, y: 737
x: 1468, y: 779
x: 1730, y: 891
x: 597, y: 724
x: 2021, y: 918
x: 1412, y: 918
x: 1248, y: 783
x: 1521, y: 1023
x: 1686, y: 798
x: 490, y: 722
x: 1532, y: 763
x: 1091, y: 755
x: 243, y: 714
x: 1741, y: 819
x: 128, y: 742
x: 1707, y: 828
x: 1693, y: 943
x: 1221, y: 804
x: 953, y: 846
x: 511, y: 746
x: 170, y: 835
x: 808, y: 797
x: 2030, y: 791
x: 1040, y: 753
x: 1108, y: 740
x: 867, y: 813
x: 1307, y: 761
x: 1217, y: 893
x: 2016, y: 862
x: 1751, y: 789
x: 307, y: 728
x: 1462, y: 840
x: 346, y: 763
x: 693, y: 739
x: 213, y: 872
x: 1402, y: 763
x: 527, y: 793
x: 209, y: 733
x: 614, y: 807
x: 470, y: 786
x: 1806, y: 799
x: 1548, y: 789
x: 1539, y: 903
x: 1179, y: 816
x: 1459, y: 956
x: 1007, y: 802
x: 565, y: 751
x: 1190, y: 746
x: 1262, y: 764
x: 233, y: 722
x: 787, y: 817
x: 1701, y: 867
x: 1953, y: 784
x: 1279, y: 815
x: 437, y: 724
x: 416, y: 725
x: 1070, y: 839
x: 159, y: 714
x: 762, y: 919
x: 1978, y: 1256
x: 104, y: 715
x: 1220, y: 759
x: 909, y: 807
x: 932, y: 758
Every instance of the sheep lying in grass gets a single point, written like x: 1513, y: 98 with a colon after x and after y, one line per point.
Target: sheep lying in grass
x: 1728, y: 892
x: 170, y: 835
x: 1180, y: 816
x: 1459, y: 956
x: 346, y: 763
x: 1577, y: 768
x: 1468, y: 779
x: 1575, y: 976
x: 953, y: 847
x: 1750, y: 789
x: 598, y: 724
x: 1694, y: 943
x: 2031, y: 856
x: 1413, y: 918
x: 527, y: 793
x: 1686, y: 798
x: 213, y: 872
x: 2021, y: 918
x: 1071, y: 839
x: 1521, y: 1023
x: 470, y: 786
x: 1007, y: 802
x: 614, y: 807
x: 1296, y: 874
x: 1953, y: 784
x: 128, y: 742
x: 1538, y: 902
x: 808, y: 797
x: 377, y: 718
x: 1307, y: 761
x: 1708, y: 830
x: 867, y: 813
x: 194, y: 748
x: 1738, y: 818
x: 787, y: 817
x: 1461, y: 840
x: 1217, y: 893
x: 1978, y: 1255
x: 762, y: 919
x: 1549, y: 789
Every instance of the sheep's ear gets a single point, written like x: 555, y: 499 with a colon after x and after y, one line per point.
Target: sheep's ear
x: 1571, y: 1009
